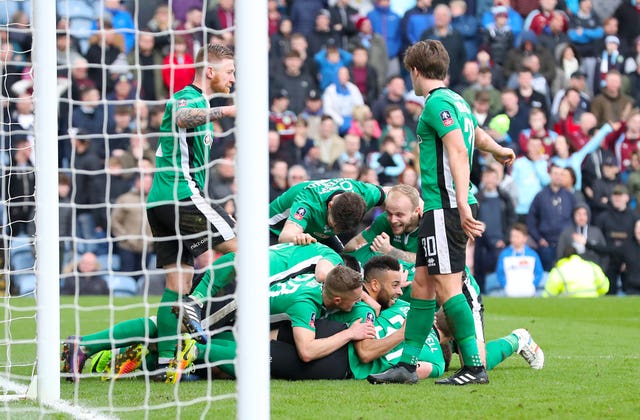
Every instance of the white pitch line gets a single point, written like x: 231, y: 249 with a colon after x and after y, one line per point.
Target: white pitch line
x: 77, y: 412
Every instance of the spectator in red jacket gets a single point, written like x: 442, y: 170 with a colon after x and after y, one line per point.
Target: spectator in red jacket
x: 178, y: 69
x: 624, y: 141
x: 539, y: 19
x: 569, y: 113
x: 587, y: 125
x: 538, y: 129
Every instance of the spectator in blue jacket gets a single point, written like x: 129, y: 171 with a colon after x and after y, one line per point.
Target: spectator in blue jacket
x: 530, y: 176
x: 329, y: 61
x: 386, y: 23
x: 585, y: 29
x: 122, y: 22
x: 415, y: 21
x: 467, y: 25
x: 550, y: 213
x: 303, y: 15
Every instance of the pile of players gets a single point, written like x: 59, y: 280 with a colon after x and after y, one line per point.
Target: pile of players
x: 329, y: 321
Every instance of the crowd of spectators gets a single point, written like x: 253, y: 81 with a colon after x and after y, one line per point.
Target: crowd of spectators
x: 556, y: 80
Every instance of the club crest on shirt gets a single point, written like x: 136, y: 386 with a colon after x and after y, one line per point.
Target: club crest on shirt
x: 299, y: 214
x: 208, y: 139
x: 445, y: 116
x: 181, y: 103
x: 312, y: 321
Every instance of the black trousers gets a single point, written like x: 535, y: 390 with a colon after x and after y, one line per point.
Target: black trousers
x: 285, y: 363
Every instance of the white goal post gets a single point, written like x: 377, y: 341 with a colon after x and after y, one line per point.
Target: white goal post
x: 47, y: 228
x: 253, y: 239
x: 252, y: 176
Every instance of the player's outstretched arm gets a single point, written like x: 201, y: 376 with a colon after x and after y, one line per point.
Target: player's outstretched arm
x: 311, y: 348
x: 371, y: 349
x: 293, y: 232
x: 487, y: 144
x: 194, y: 117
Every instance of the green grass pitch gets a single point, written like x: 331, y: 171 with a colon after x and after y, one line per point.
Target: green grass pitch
x: 592, y: 370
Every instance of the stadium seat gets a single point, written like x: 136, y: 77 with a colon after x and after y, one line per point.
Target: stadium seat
x: 152, y: 283
x: 122, y: 285
x: 104, y: 262
x: 492, y: 285
x: 23, y: 284
x: 21, y: 254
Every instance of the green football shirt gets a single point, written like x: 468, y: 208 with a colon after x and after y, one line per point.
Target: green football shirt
x: 363, y: 312
x: 182, y: 154
x: 389, y: 321
x: 288, y: 259
x: 298, y: 299
x: 285, y: 260
x: 404, y: 241
x: 444, y: 111
x: 306, y: 204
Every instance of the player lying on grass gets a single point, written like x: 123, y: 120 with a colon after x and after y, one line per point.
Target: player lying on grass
x: 382, y: 279
x: 131, y: 345
x: 301, y: 299
x: 285, y: 260
x: 299, y: 303
x: 374, y: 355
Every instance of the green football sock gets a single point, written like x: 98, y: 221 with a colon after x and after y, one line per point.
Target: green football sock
x: 460, y: 321
x: 124, y: 334
x: 499, y: 350
x: 151, y: 361
x: 168, y: 330
x: 418, y: 325
x: 220, y: 274
x: 217, y: 350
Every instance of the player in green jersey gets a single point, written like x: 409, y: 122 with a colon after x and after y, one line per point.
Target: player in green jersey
x: 395, y: 231
x: 382, y: 282
x: 383, y: 287
x: 300, y: 337
x: 183, y: 222
x: 300, y: 299
x: 285, y: 261
x: 447, y: 134
x: 371, y: 356
x: 318, y: 210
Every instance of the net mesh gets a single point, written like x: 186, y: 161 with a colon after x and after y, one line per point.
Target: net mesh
x: 117, y: 64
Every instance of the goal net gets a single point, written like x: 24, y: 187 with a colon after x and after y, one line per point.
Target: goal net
x: 118, y: 63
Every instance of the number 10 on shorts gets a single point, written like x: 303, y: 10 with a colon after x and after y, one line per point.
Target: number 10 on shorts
x: 429, y: 246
